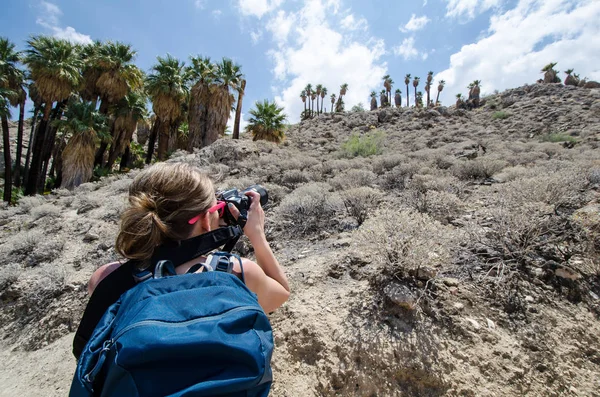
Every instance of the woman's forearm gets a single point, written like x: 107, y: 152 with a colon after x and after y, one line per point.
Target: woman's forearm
x: 267, y: 261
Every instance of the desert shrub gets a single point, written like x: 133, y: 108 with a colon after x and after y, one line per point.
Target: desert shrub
x: 353, y: 178
x: 234, y: 183
x: 440, y: 205
x: 45, y: 210
x: 335, y: 166
x: 397, y: 178
x: 527, y: 158
x: 309, y: 208
x: 276, y: 193
x: 359, y: 201
x: 29, y: 202
x: 500, y: 115
x: 35, y: 247
x: 405, y: 241
x: 9, y: 274
x: 558, y: 138
x: 292, y: 178
x: 480, y: 168
x: 366, y: 145
x: 383, y: 164
x: 443, y: 162
x: 593, y: 176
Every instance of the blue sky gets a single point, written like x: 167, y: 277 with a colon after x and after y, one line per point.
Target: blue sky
x: 284, y: 44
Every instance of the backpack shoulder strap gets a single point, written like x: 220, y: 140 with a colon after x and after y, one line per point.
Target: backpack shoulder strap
x: 219, y: 262
x: 106, y: 293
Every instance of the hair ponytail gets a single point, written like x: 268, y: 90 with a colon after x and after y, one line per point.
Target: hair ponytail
x: 162, y: 199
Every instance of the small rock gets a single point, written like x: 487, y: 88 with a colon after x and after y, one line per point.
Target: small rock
x: 450, y: 281
x: 567, y: 273
x: 474, y: 323
x: 594, y: 296
x: 458, y: 306
x: 90, y: 237
x: 234, y: 171
x: 529, y: 299
x: 400, y: 295
x: 310, y: 281
x: 425, y: 273
x: 490, y: 324
x: 103, y: 246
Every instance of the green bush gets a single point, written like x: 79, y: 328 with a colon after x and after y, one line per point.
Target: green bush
x: 558, y: 138
x: 500, y: 115
x: 366, y: 145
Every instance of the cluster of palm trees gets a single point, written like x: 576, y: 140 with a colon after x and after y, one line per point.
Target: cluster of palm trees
x: 91, y: 99
x: 572, y: 79
x: 385, y: 96
x: 473, y: 100
x: 309, y: 95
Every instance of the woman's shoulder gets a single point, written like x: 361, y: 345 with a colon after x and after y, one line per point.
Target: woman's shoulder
x: 101, y: 273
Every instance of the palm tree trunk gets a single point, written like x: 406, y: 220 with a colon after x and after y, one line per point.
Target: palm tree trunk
x: 152, y: 140
x: 36, y: 155
x: 125, y: 158
x: 17, y: 176
x: 238, y: 112
x: 416, y: 104
x: 78, y: 159
x: 407, y: 96
x: 322, y: 100
x: 197, y: 115
x: 427, y: 106
x: 163, y: 140
x: 30, y: 144
x: 219, y: 110
x: 437, y: 98
x: 49, y: 144
x: 7, y: 160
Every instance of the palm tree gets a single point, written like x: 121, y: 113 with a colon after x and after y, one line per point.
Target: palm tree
x: 90, y: 72
x: 387, y: 84
x: 85, y: 126
x: 440, y: 87
x: 202, y: 74
x: 398, y: 98
x: 55, y: 69
x: 323, y: 95
x: 227, y: 80
x: 308, y: 89
x: 318, y: 92
x: 166, y: 86
x: 5, y: 98
x: 550, y: 75
x: 238, y: 109
x: 459, y: 101
x: 332, y: 103
x: 428, y: 86
x: 12, y: 78
x: 383, y: 98
x: 373, y: 100
x: 343, y: 90
x: 419, y: 99
x: 407, y: 82
x: 571, y: 80
x: 117, y: 75
x: 37, y: 106
x: 474, y: 92
x: 267, y: 122
x: 313, y: 96
x: 303, y: 97
x: 415, y: 84
x: 127, y: 113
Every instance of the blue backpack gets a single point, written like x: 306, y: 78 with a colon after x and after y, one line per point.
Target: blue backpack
x: 200, y: 334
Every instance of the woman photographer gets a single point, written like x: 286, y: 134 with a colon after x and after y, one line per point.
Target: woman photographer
x: 176, y: 201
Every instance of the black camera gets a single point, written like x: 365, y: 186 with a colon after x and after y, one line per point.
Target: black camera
x: 242, y: 203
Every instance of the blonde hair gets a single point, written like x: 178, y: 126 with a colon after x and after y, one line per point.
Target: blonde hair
x: 162, y: 198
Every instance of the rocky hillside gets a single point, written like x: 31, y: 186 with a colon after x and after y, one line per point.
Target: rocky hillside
x: 459, y: 256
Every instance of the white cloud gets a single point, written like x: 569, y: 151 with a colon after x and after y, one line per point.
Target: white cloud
x: 522, y: 40
x: 200, y: 4
x: 415, y: 23
x: 258, y: 8
x: 280, y: 26
x: 216, y: 14
x: 256, y: 36
x: 49, y: 18
x: 310, y: 50
x: 350, y: 23
x: 407, y: 49
x: 469, y: 8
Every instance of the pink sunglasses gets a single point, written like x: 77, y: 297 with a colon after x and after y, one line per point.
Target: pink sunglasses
x: 220, y: 207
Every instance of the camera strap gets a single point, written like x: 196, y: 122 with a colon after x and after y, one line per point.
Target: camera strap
x: 180, y: 252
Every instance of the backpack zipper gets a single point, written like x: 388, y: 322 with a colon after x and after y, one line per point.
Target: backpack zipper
x: 108, y: 344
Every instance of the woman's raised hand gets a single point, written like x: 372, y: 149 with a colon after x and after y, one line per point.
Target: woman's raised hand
x: 255, y: 225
